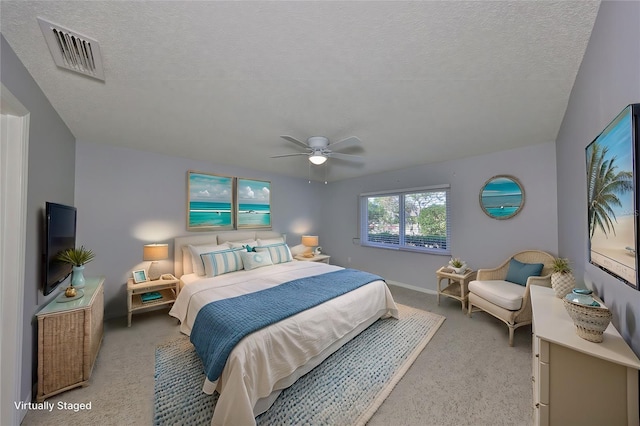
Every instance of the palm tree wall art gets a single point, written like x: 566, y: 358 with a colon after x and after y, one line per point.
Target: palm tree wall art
x: 611, y: 208
x: 605, y: 185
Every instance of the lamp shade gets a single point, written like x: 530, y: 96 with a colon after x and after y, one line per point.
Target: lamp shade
x: 310, y: 240
x: 155, y: 251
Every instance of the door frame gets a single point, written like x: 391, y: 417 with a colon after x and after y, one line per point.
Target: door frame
x: 14, y: 158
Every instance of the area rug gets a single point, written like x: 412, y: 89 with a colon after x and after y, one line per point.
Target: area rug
x: 346, y: 389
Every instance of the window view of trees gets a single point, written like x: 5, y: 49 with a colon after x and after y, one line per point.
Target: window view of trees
x: 426, y: 213
x: 384, y: 215
x: 416, y: 219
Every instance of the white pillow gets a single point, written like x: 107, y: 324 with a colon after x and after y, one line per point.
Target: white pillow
x: 270, y: 241
x: 280, y: 253
x: 196, y: 251
x: 222, y: 262
x: 242, y: 244
x: 253, y: 260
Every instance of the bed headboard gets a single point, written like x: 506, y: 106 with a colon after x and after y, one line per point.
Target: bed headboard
x: 179, y: 257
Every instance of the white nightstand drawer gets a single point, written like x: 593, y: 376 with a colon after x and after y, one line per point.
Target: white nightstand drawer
x: 544, y: 351
x: 543, y: 385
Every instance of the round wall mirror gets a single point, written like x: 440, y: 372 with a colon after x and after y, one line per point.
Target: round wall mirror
x: 502, y: 197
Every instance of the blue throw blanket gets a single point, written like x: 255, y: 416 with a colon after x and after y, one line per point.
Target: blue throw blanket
x: 220, y: 325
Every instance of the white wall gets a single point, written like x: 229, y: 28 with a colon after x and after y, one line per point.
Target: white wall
x: 127, y: 198
x: 608, y: 80
x: 51, y: 178
x: 480, y: 240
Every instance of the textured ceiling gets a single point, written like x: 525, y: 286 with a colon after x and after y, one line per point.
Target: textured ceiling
x: 417, y: 82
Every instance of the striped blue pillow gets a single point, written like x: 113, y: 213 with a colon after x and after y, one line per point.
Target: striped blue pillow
x: 222, y: 262
x: 280, y: 253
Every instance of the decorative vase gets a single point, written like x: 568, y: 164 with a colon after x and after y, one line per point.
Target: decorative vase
x: 77, y: 278
x: 562, y: 283
x: 590, y: 321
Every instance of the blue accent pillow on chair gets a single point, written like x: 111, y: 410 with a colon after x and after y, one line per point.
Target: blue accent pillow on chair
x: 519, y: 272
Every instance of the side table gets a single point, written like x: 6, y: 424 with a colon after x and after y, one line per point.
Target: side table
x: 457, y: 286
x: 168, y: 289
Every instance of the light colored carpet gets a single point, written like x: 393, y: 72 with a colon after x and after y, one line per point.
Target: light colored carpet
x: 467, y: 374
x: 346, y: 389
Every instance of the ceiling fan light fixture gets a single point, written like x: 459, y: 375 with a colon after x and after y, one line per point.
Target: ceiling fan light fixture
x: 319, y: 149
x: 318, y: 159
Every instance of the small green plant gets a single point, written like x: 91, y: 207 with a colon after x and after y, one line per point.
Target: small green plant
x: 456, y: 262
x: 561, y: 265
x: 76, y: 256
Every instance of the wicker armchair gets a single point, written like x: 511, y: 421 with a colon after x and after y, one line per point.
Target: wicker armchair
x: 505, y: 300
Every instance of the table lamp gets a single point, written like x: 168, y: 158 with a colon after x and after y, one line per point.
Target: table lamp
x: 309, y: 241
x: 155, y: 252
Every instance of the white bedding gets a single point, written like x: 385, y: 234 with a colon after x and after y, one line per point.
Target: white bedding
x: 265, y: 360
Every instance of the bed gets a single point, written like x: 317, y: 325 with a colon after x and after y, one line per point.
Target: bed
x: 272, y: 358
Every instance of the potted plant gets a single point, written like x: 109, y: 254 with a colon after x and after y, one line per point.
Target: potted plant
x: 458, y: 265
x: 562, y: 279
x: 77, y: 257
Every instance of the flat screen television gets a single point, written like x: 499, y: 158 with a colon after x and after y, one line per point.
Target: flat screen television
x: 612, y: 196
x: 60, y: 230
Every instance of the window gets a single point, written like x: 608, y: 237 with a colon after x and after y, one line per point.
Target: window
x: 414, y: 219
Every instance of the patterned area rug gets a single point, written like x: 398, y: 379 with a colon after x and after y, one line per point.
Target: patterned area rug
x: 346, y: 389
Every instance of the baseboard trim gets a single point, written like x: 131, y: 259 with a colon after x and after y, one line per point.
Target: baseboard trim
x: 412, y: 287
x: 26, y: 400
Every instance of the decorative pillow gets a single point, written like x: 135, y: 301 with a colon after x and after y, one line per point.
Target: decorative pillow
x: 280, y: 253
x: 253, y: 260
x: 196, y: 251
x: 270, y: 241
x: 519, y: 272
x: 222, y: 262
x: 242, y: 244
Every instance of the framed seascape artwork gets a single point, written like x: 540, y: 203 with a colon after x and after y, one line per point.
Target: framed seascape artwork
x: 253, y: 203
x: 209, y: 202
x: 502, y: 197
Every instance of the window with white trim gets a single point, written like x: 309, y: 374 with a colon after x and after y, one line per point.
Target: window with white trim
x: 416, y: 219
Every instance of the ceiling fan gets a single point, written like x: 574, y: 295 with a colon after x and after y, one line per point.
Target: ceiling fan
x: 319, y: 149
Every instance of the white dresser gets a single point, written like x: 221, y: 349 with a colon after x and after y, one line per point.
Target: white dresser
x: 577, y: 382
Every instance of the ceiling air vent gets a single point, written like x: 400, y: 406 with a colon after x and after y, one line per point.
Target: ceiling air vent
x: 73, y: 51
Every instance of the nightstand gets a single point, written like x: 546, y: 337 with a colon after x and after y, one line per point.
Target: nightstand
x: 316, y: 258
x: 168, y: 289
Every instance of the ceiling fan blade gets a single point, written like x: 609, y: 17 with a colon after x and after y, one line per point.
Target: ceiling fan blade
x: 345, y: 143
x: 290, y: 155
x: 347, y: 157
x: 296, y: 141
